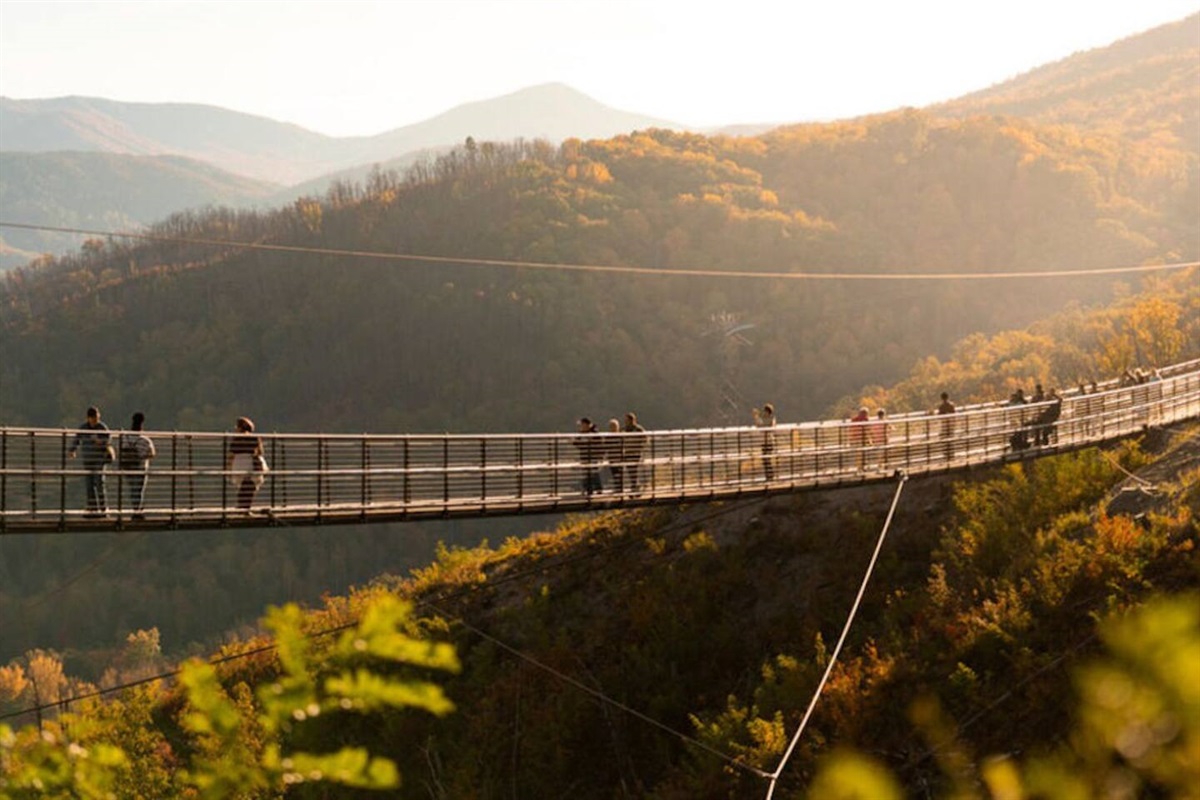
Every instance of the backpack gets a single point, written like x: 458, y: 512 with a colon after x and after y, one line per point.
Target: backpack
x: 131, y: 456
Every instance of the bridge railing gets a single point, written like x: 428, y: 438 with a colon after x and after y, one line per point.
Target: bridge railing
x: 316, y: 478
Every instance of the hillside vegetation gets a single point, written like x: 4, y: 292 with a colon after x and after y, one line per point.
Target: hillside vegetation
x: 435, y: 346
x: 1126, y: 86
x: 103, y: 191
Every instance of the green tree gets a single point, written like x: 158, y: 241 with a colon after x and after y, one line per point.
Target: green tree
x: 241, y: 744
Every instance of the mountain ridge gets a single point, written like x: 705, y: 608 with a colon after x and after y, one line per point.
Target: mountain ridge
x: 105, y: 191
x: 1168, y: 55
x: 286, y: 153
x: 1137, y: 90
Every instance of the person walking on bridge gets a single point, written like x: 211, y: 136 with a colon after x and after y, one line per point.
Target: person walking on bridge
x: 947, y: 409
x: 92, y: 441
x: 635, y: 442
x: 588, y: 454
x: 1020, y: 438
x: 614, y: 453
x: 878, y: 435
x: 858, y: 435
x: 765, y: 418
x: 244, y: 462
x: 135, y: 452
x: 1048, y: 417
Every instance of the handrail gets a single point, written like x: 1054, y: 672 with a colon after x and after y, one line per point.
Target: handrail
x: 360, y: 478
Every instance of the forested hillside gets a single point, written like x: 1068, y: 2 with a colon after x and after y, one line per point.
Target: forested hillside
x: 436, y: 346
x: 1072, y: 348
x: 672, y: 653
x: 104, y: 191
x: 1106, y: 88
x: 245, y: 144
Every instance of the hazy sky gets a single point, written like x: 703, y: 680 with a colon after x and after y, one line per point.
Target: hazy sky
x: 360, y: 68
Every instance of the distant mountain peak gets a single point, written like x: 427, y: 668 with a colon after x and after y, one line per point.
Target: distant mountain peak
x: 285, y: 153
x: 553, y: 111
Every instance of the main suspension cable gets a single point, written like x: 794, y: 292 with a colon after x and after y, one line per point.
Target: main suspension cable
x: 611, y: 268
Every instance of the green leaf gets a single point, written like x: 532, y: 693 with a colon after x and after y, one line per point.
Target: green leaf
x: 350, y: 766
x: 366, y: 691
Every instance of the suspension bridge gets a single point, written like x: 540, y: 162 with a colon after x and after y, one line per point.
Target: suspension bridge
x: 340, y: 479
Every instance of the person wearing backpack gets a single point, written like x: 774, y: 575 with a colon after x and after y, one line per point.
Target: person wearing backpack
x: 632, y: 452
x: 589, y: 454
x: 134, y: 455
x: 244, y: 460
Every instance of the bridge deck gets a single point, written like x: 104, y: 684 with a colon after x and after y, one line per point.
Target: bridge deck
x: 324, y: 479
